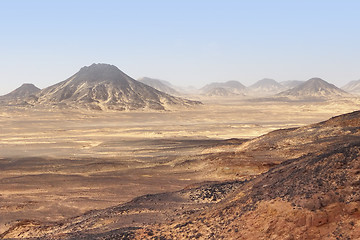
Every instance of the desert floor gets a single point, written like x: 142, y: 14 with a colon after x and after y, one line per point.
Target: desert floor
x: 60, y: 163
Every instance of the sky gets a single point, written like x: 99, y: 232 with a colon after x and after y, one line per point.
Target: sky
x: 185, y: 42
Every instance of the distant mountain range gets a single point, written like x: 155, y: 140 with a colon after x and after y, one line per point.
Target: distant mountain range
x: 265, y: 87
x: 352, y: 87
x: 161, y: 85
x: 229, y: 88
x: 291, y: 84
x: 25, y: 90
x: 315, y: 88
x: 103, y: 86
x: 100, y: 87
x: 220, y: 91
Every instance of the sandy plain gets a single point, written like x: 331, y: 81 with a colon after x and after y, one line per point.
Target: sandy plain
x: 56, y: 164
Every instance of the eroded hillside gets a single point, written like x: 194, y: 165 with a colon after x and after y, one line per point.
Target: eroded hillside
x: 312, y: 195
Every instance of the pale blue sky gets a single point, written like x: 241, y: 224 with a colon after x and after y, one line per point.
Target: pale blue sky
x: 186, y: 42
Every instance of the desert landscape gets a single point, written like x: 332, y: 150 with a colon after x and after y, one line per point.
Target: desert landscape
x: 176, y: 120
x: 75, y: 169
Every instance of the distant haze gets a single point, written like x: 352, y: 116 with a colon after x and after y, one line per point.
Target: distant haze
x: 188, y: 43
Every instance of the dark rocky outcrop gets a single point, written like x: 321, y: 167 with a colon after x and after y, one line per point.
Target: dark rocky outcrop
x: 291, y: 83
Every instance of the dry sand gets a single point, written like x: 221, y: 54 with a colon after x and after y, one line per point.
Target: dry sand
x: 60, y: 163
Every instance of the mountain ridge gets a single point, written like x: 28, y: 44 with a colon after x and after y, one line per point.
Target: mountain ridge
x: 160, y: 85
x: 291, y: 83
x: 265, y: 87
x: 314, y: 88
x: 228, y: 88
x: 105, y: 87
x: 352, y: 87
x: 25, y: 90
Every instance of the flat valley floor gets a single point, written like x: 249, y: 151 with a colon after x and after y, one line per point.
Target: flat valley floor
x: 57, y: 164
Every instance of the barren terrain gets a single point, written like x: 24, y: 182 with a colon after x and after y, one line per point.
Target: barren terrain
x: 57, y: 164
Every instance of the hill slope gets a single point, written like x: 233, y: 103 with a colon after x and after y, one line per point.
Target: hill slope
x: 352, y: 87
x: 20, y: 94
x: 223, y: 89
x: 160, y: 85
x: 315, y: 194
x: 104, y: 86
x: 291, y: 83
x: 315, y: 88
x: 265, y: 87
x: 313, y: 197
x: 220, y: 92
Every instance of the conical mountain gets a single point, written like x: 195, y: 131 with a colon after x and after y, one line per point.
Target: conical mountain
x: 265, y: 87
x: 160, y: 85
x: 22, y: 92
x: 223, y: 88
x: 352, y: 87
x: 104, y: 86
x: 315, y: 88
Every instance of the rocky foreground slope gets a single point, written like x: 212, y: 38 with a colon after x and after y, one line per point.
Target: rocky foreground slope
x: 312, y: 193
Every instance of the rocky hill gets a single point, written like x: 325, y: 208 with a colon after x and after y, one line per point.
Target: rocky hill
x: 223, y: 89
x: 314, y: 193
x: 313, y: 197
x: 313, y: 89
x: 265, y: 87
x: 160, y: 85
x: 105, y: 87
x: 352, y: 87
x: 19, y: 95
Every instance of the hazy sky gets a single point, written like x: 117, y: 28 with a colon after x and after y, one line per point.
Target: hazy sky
x: 186, y: 42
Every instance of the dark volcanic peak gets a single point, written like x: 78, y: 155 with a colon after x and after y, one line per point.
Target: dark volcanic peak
x: 101, y: 72
x: 265, y: 87
x: 315, y: 88
x: 352, y: 87
x: 22, y: 92
x: 104, y: 86
x: 160, y: 85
